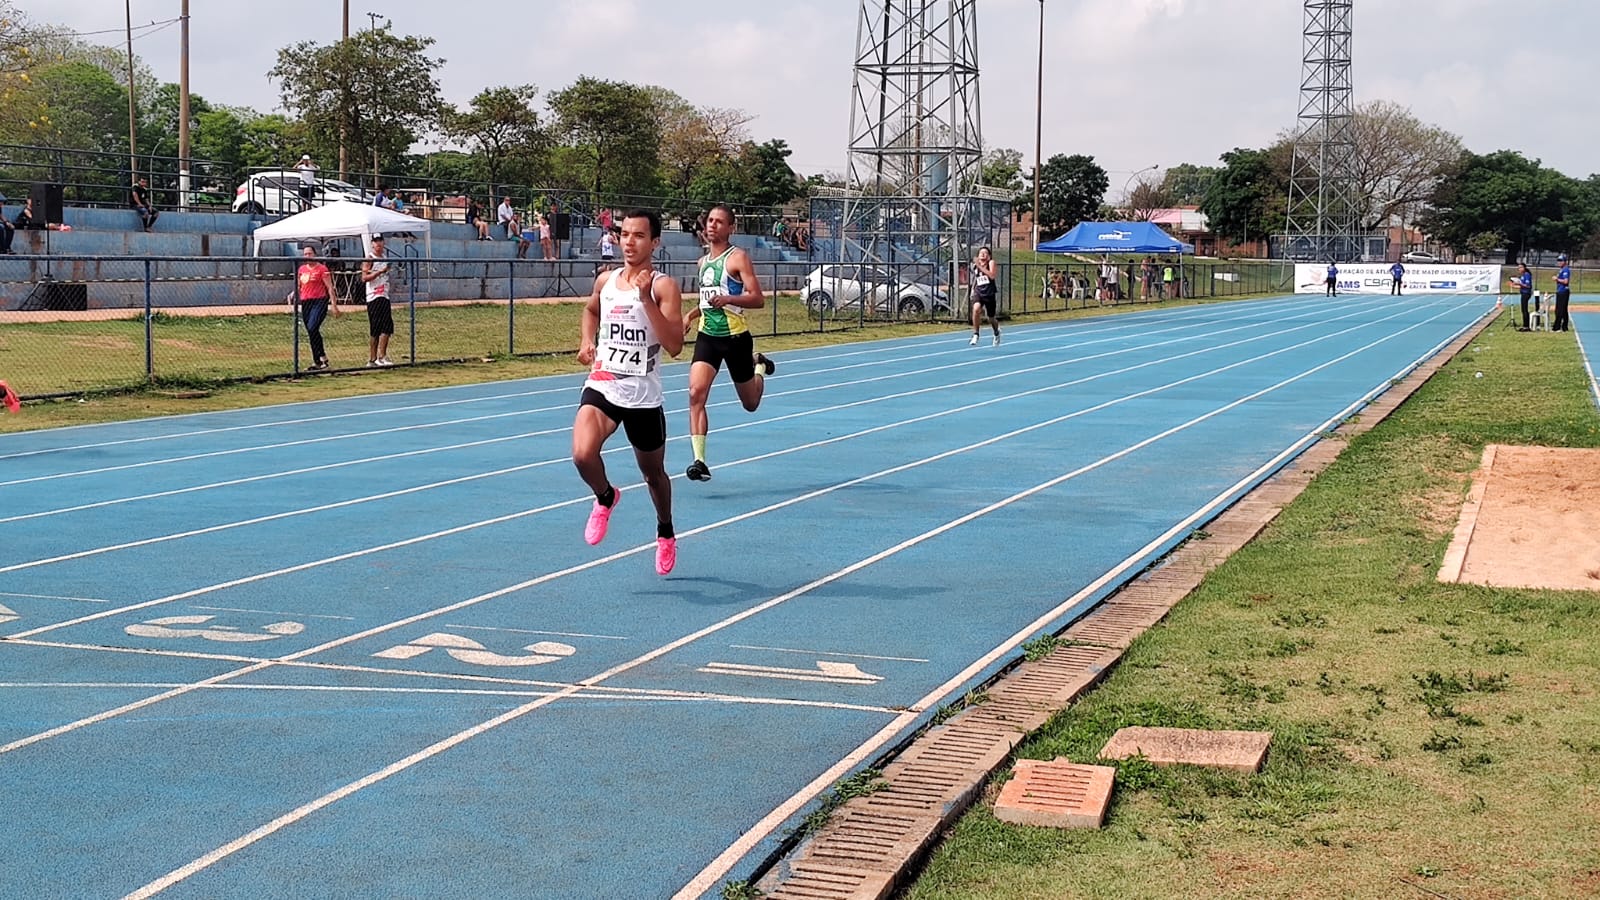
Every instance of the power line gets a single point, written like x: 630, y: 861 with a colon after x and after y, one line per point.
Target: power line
x: 137, y: 28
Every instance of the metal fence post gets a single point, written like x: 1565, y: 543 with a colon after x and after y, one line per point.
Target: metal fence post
x: 295, y: 309
x: 149, y: 328
x: 411, y: 290
x: 511, y: 307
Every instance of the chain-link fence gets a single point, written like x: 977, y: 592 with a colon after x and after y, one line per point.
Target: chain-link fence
x: 77, y: 324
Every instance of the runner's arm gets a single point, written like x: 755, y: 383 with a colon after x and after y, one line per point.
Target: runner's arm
x: 752, y: 297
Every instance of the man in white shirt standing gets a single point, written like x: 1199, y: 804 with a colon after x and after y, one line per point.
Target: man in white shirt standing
x: 308, y: 181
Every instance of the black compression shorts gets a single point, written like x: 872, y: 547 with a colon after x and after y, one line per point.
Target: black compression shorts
x: 737, y: 350
x: 646, y: 428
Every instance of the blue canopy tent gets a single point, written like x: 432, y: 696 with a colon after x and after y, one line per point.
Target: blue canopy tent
x: 1121, y: 237
x: 1116, y: 237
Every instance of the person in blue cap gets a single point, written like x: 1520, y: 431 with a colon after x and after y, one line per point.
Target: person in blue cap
x: 1333, y: 280
x: 1399, y: 273
x: 1563, y: 294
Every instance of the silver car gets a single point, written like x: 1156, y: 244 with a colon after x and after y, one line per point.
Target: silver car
x: 277, y: 191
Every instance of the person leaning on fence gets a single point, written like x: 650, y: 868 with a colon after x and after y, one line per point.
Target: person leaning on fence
x: 315, y: 284
x: 308, y: 181
x: 139, y: 199
x: 380, y: 318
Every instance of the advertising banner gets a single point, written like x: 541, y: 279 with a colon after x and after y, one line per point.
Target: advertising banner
x: 1420, y: 278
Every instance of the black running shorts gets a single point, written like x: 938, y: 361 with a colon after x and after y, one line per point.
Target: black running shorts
x: 379, y: 319
x: 987, y: 299
x: 646, y: 428
x: 737, y: 350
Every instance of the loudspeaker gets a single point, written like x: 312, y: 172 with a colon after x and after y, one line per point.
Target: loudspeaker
x: 66, y: 295
x: 563, y: 225
x: 47, y: 202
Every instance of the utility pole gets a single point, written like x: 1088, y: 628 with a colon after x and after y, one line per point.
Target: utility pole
x: 183, y: 110
x: 344, y: 127
x: 373, y: 23
x: 133, y: 141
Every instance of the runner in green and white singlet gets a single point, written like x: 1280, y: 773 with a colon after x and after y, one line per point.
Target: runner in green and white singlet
x: 729, y: 288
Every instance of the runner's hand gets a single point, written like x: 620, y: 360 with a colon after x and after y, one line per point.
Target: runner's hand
x: 586, y: 354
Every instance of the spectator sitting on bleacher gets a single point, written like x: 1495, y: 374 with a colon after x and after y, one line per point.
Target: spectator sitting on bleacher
x: 475, y: 220
x: 26, y: 219
x: 139, y: 199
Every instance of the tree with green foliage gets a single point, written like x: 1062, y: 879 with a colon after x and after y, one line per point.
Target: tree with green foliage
x: 1071, y: 189
x: 1507, y: 193
x: 1002, y: 169
x: 1397, y: 163
x: 376, y: 86
x: 610, y: 137
x: 1247, y: 196
x: 505, y: 132
x: 693, y: 139
x: 1185, y: 184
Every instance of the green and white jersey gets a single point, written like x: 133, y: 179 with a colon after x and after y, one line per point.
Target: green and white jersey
x: 714, y: 280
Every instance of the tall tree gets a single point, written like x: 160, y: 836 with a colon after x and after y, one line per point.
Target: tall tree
x: 377, y: 86
x: 1071, y: 188
x: 694, y: 138
x: 1186, y: 183
x: 1002, y: 168
x: 1248, y: 194
x: 612, y: 134
x: 1518, y: 198
x: 504, y: 130
x: 1149, y: 196
x: 1398, y: 161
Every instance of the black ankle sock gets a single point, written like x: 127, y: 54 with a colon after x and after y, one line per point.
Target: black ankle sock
x: 608, y: 498
x: 664, y: 529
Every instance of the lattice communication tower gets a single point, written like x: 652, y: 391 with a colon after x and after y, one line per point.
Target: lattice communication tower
x: 913, y: 197
x: 1322, y: 213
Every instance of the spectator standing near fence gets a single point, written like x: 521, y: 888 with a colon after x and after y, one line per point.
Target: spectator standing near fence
x: 1108, y: 280
x: 608, y: 246
x: 315, y: 284
x: 1332, y: 282
x: 380, y: 317
x: 1398, y: 272
x: 1169, y: 276
x: 1563, y: 294
x: 139, y: 199
x: 308, y: 180
x: 547, y: 238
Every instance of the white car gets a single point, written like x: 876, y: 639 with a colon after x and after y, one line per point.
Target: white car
x: 1419, y: 256
x: 841, y: 286
x: 277, y: 191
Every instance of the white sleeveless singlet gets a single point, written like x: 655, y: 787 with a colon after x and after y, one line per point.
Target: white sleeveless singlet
x: 626, y: 369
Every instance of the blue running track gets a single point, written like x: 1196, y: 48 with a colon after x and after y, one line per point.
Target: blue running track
x: 359, y: 647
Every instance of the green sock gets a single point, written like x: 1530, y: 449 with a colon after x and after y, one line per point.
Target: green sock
x: 698, y: 442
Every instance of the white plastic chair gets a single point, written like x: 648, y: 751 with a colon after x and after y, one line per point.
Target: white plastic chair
x: 1538, y: 315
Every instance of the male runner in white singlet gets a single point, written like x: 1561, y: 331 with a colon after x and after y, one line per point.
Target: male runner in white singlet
x: 728, y: 290
x: 632, y: 315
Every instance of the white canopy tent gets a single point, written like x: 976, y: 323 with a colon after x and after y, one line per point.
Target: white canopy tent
x: 344, y: 219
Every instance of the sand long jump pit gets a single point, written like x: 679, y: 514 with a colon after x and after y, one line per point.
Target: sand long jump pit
x: 1531, y: 520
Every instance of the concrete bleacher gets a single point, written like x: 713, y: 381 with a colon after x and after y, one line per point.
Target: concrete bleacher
x: 209, y: 253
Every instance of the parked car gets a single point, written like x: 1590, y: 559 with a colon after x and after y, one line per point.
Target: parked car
x: 911, y: 292
x: 278, y: 191
x: 1419, y: 256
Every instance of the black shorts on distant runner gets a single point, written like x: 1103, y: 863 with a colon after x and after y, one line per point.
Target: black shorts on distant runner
x: 646, y: 427
x: 987, y: 299
x: 738, y: 350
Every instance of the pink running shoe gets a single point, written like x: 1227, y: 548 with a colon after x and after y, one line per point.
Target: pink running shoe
x: 666, y: 555
x: 600, y: 517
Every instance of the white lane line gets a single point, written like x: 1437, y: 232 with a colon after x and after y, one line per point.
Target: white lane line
x: 439, y: 747
x: 611, y: 696
x: 275, y: 612
x: 796, y: 449
x: 571, y: 634
x: 746, y: 424
x: 719, y: 867
x: 53, y: 597
x: 828, y: 653
x: 566, y: 406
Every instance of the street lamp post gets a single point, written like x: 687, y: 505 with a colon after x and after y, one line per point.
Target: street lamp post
x: 1038, y: 128
x: 1126, y: 197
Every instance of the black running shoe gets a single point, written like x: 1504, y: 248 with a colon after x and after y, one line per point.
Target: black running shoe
x: 767, y: 365
x: 698, y: 471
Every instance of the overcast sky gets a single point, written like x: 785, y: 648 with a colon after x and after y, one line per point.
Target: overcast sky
x: 1133, y: 83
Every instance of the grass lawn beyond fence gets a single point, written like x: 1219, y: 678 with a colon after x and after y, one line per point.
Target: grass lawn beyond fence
x: 1431, y: 740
